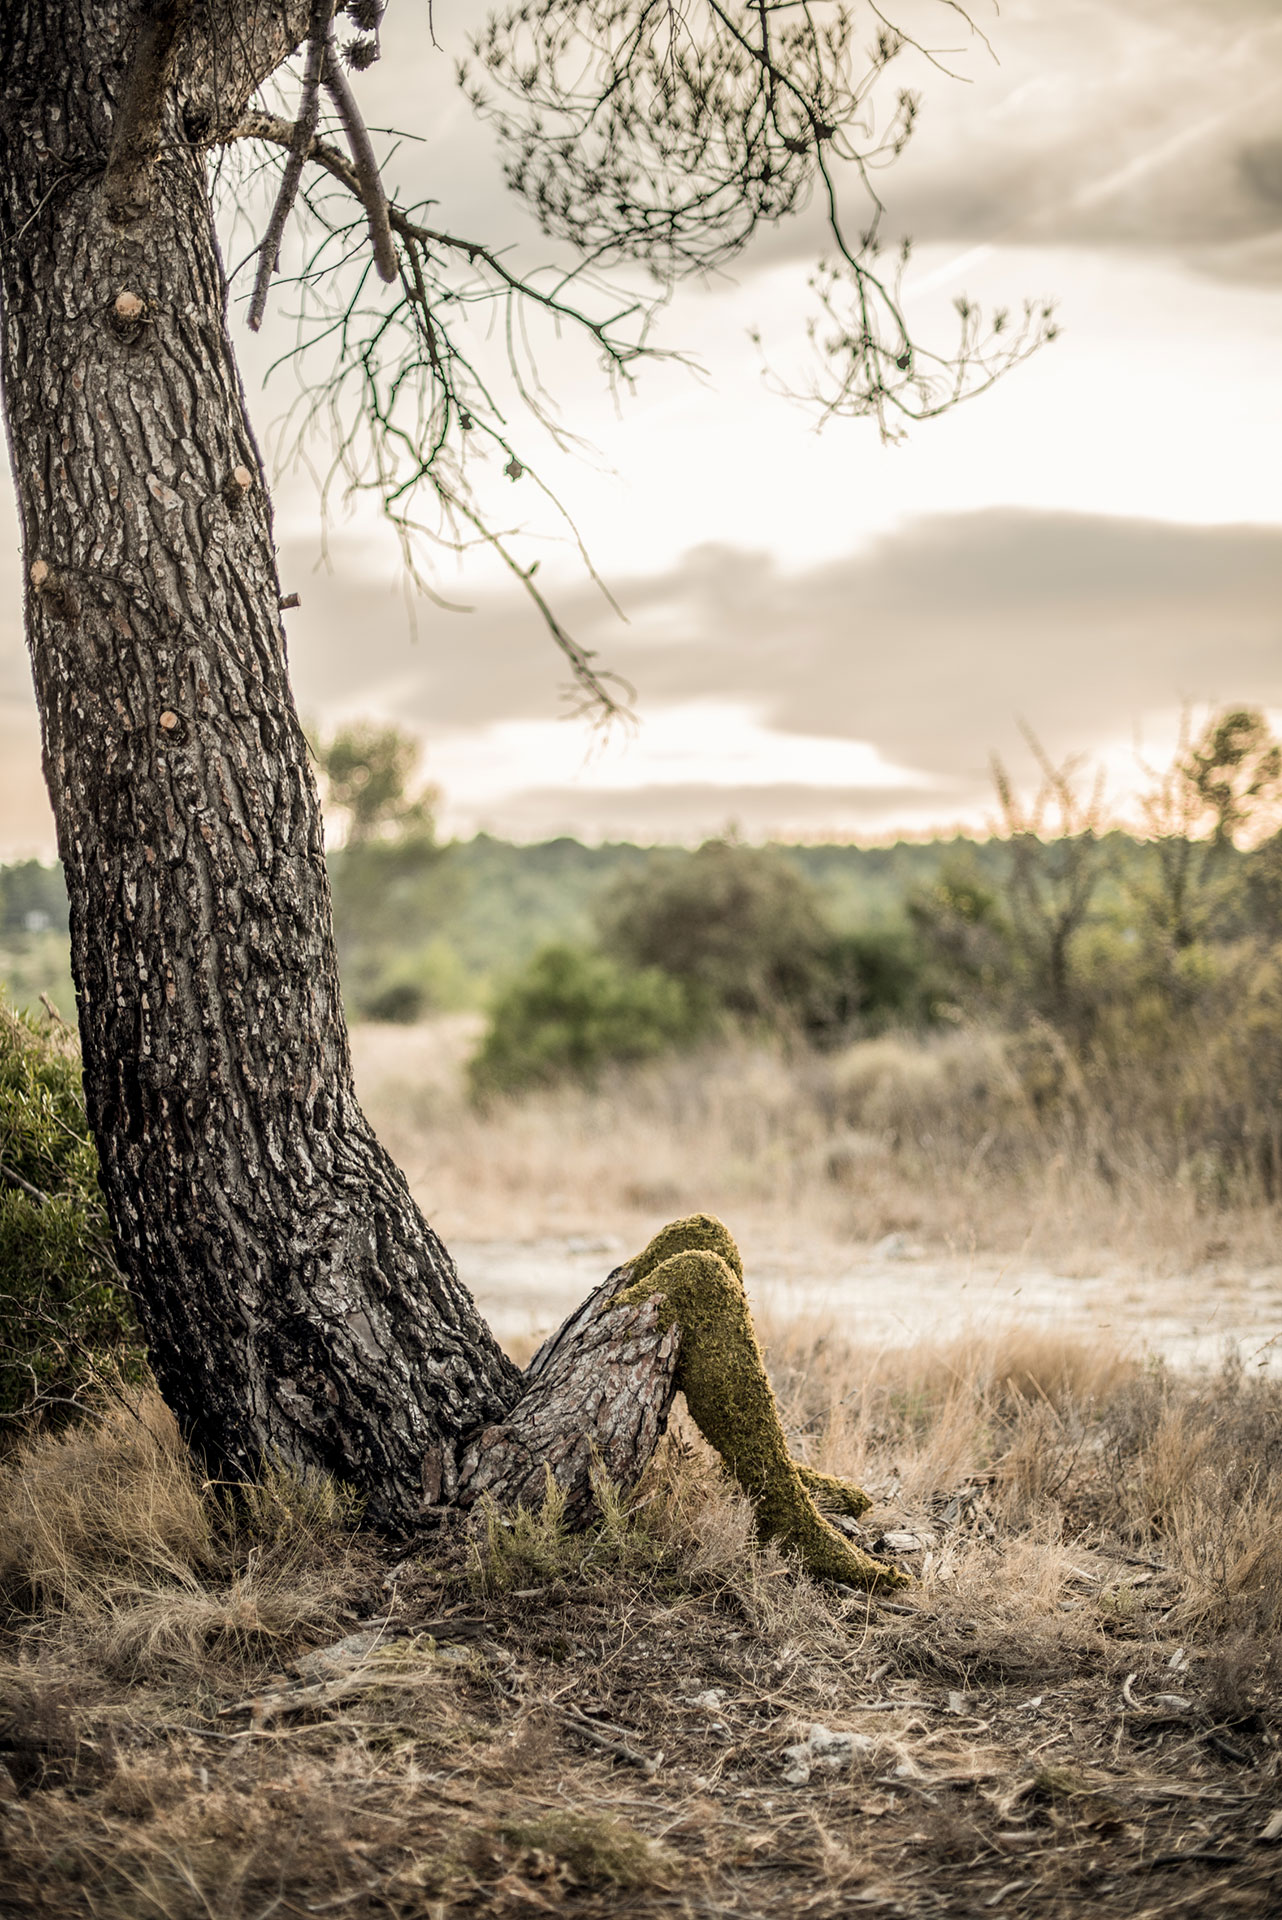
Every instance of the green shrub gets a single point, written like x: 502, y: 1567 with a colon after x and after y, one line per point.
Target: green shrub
x: 405, y: 984
x: 573, y: 1012
x: 865, y: 982
x: 65, y: 1319
x: 740, y: 927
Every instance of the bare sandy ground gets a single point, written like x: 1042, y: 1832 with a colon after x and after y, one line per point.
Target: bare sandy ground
x: 889, y: 1294
x: 896, y: 1294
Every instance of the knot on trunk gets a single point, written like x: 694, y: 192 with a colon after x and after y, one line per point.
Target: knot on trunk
x: 127, y: 315
x: 55, y: 592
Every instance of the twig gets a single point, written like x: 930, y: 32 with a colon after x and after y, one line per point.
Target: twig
x: 198, y: 1733
x: 16, y: 1180
x: 1194, y: 1853
x: 631, y: 1756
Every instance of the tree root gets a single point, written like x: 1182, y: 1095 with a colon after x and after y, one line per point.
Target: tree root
x: 693, y: 1266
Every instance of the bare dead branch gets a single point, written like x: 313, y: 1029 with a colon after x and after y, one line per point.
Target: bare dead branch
x: 258, y: 125
x: 302, y: 135
x: 365, y: 166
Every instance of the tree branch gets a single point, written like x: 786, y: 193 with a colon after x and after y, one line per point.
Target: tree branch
x: 230, y: 50
x: 369, y: 181
x: 272, y: 127
x: 302, y: 135
x: 136, y: 134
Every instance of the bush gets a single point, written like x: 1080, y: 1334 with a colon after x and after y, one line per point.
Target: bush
x: 65, y: 1318
x: 865, y: 982
x: 738, y: 926
x: 573, y: 1012
x: 402, y: 985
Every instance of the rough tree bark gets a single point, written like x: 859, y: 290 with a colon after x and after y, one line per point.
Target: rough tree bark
x: 296, y: 1303
x: 295, y: 1300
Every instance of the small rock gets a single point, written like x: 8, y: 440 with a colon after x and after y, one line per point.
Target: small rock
x: 455, y: 1656
x: 335, y: 1659
x: 1272, y: 1828
x: 824, y: 1749
x: 907, y: 1542
x: 1173, y: 1702
x: 822, y: 1740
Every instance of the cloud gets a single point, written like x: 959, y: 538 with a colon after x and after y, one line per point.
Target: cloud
x: 1145, y: 126
x: 917, y: 638
x: 930, y: 645
x: 695, y: 810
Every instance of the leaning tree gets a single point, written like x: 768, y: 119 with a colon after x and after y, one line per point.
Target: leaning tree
x: 295, y: 1301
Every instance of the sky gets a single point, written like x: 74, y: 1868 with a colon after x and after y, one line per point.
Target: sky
x: 829, y: 637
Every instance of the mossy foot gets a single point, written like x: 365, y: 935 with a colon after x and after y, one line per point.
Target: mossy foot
x: 828, y: 1555
x: 832, y: 1495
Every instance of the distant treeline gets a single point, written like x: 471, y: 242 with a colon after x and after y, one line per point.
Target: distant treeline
x: 441, y: 922
x: 1046, y: 918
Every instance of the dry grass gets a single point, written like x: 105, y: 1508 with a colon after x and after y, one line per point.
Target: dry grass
x: 1076, y: 1710
x: 111, y: 1540
x: 935, y: 1139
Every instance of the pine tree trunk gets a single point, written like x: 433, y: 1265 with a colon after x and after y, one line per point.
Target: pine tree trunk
x: 296, y: 1303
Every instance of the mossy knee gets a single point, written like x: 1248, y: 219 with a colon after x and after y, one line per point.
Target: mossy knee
x: 698, y: 1233
x: 702, y: 1294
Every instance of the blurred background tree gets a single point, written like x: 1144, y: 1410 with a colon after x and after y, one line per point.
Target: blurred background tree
x: 392, y: 882
x: 1121, y: 986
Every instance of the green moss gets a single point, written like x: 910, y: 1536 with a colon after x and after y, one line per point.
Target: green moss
x: 837, y: 1496
x: 65, y: 1319
x: 699, y: 1233
x: 694, y: 1266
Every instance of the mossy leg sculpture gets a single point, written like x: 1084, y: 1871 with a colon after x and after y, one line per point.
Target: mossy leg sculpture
x: 695, y: 1269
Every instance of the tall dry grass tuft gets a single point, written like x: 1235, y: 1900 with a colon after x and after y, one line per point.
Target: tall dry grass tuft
x: 1054, y: 1448
x: 950, y: 1137
x: 109, y: 1508
x: 1206, y: 1487
x: 110, y: 1539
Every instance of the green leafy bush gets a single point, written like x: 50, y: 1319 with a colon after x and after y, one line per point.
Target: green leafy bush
x: 865, y: 982
x: 740, y: 927
x: 65, y: 1319
x: 573, y: 1012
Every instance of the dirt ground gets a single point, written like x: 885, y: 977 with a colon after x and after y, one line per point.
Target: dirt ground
x: 552, y: 1729
x: 896, y: 1293
x: 230, y: 1704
